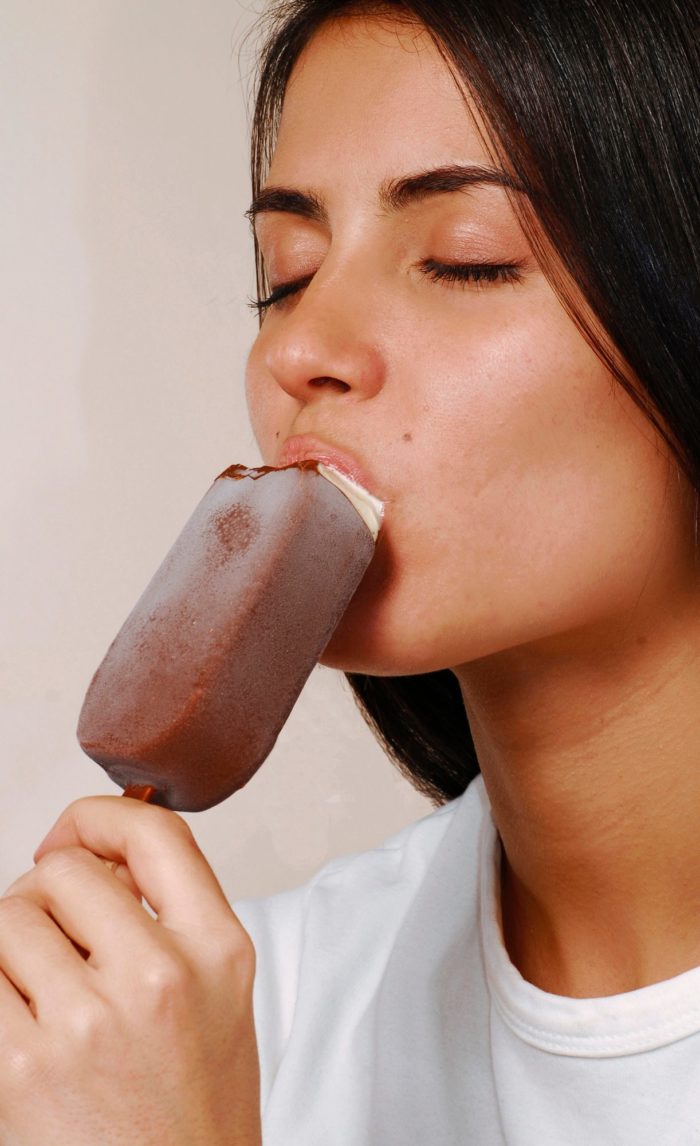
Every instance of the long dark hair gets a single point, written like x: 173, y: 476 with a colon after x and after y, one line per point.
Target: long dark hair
x: 593, y: 105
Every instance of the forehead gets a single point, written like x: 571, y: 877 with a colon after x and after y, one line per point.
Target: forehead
x: 373, y: 93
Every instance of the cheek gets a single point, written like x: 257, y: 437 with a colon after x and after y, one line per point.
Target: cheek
x: 541, y: 467
x: 519, y: 388
x: 506, y: 398
x: 269, y: 408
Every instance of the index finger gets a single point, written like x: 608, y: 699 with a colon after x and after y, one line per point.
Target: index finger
x: 158, y: 848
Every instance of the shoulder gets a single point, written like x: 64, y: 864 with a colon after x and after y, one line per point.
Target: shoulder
x: 396, y: 863
x: 345, y: 920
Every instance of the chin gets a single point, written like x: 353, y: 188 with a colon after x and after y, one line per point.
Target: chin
x: 351, y: 649
x: 354, y: 648
x: 350, y: 658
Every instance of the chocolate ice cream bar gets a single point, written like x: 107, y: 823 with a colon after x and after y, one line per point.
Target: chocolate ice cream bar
x: 200, y: 679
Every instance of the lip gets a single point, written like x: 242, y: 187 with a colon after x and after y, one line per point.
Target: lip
x: 304, y: 447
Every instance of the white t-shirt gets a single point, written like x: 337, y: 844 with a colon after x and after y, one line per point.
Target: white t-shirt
x: 389, y: 1014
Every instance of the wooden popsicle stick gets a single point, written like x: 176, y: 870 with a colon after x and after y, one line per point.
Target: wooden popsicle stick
x: 143, y: 792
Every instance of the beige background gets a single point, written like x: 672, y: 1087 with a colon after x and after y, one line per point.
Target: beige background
x: 125, y: 263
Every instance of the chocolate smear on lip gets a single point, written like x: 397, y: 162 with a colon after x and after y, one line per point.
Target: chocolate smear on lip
x: 238, y: 472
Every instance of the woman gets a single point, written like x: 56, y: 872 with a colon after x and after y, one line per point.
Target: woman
x: 475, y: 224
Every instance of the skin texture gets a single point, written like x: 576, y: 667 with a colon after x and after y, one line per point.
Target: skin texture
x: 114, y: 1026
x: 538, y: 539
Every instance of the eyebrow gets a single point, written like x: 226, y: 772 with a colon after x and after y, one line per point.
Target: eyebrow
x: 394, y: 194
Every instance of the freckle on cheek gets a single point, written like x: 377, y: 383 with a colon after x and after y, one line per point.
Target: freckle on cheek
x: 407, y: 437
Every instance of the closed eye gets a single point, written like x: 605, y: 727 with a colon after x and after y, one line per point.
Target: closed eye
x: 280, y: 292
x: 477, y: 274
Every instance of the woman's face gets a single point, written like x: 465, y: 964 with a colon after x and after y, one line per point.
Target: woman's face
x: 526, y: 498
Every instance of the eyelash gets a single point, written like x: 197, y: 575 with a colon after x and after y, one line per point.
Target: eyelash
x: 278, y: 294
x: 472, y: 272
x: 463, y: 273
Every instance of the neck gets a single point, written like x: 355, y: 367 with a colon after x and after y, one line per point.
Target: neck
x: 590, y: 756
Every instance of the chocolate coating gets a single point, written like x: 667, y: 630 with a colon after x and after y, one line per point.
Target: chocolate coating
x: 200, y: 679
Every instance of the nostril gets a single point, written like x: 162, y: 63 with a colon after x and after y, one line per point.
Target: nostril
x: 334, y: 383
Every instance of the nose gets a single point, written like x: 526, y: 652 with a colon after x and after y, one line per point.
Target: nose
x: 326, y: 344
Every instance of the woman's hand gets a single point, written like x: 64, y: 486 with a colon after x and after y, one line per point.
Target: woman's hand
x: 117, y: 1027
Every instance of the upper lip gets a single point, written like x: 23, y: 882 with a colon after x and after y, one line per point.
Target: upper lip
x: 304, y: 447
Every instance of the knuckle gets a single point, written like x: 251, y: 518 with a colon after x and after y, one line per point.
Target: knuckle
x: 181, y: 830
x: 83, y: 803
x: 234, y: 956
x: 244, y: 953
x: 77, y: 812
x: 15, y: 910
x: 164, y: 979
x: 58, y: 864
x: 24, y: 1068
x: 155, y: 818
x: 87, y: 1021
x: 246, y: 964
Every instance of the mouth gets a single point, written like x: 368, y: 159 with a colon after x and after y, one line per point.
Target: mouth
x: 304, y: 447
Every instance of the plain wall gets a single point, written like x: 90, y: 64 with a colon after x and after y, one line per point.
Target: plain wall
x: 125, y: 265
